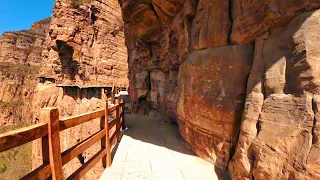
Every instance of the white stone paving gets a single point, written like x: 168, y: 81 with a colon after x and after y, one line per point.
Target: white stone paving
x: 150, y: 150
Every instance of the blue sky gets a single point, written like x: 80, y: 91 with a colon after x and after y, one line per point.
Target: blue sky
x: 20, y: 14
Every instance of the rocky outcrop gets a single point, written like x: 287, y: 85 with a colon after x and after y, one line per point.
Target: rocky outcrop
x: 24, y: 46
x: 79, y: 49
x: 277, y: 134
x: 20, y: 60
x: 86, y: 44
x: 85, y: 49
x: 210, y: 110
x: 239, y: 77
x: 250, y: 111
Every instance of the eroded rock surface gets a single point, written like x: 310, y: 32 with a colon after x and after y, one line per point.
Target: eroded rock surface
x: 210, y: 110
x: 250, y: 111
x: 85, y: 47
x: 240, y: 77
x: 86, y: 44
x: 277, y: 137
x: 20, y: 61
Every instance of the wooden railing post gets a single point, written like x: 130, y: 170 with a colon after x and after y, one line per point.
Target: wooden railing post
x: 122, y: 111
x: 51, y: 115
x: 105, y: 141
x: 44, y: 140
x: 118, y: 125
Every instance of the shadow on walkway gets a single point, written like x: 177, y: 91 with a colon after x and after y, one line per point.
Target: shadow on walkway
x: 151, y: 149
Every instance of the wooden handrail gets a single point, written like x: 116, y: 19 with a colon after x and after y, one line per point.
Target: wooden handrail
x: 22, y: 136
x: 70, y: 122
x: 112, y: 108
x: 49, y: 130
x: 42, y: 172
x: 112, y: 123
x: 78, y: 174
x: 77, y: 149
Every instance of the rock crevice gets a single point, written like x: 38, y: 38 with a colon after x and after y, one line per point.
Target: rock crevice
x: 247, y: 110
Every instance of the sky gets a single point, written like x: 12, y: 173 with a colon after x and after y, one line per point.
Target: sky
x: 21, y: 14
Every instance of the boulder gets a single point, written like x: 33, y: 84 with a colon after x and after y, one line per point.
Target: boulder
x: 212, y: 88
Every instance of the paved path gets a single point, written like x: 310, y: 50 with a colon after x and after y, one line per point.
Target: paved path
x: 151, y: 150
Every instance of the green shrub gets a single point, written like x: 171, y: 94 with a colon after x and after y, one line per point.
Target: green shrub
x: 77, y: 3
x: 18, y: 69
x: 11, y: 104
x: 3, y: 167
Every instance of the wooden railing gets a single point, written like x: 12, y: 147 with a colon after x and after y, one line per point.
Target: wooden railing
x: 49, y: 130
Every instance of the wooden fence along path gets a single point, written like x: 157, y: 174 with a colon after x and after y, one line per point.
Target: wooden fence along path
x: 49, y: 130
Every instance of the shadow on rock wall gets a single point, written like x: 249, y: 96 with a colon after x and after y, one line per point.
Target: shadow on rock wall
x: 279, y: 122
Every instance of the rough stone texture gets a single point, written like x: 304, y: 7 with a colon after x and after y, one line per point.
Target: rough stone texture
x: 211, y: 25
x: 219, y: 116
x: 24, y: 46
x: 281, y: 149
x: 278, y: 135
x: 86, y: 44
x: 267, y: 129
x: 209, y: 109
x: 20, y: 60
x: 250, y: 18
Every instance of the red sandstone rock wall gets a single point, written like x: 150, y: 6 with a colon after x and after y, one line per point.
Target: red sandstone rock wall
x: 85, y: 46
x: 20, y: 61
x: 240, y: 77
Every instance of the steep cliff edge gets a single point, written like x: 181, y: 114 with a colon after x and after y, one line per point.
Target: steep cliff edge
x: 86, y: 44
x: 61, y: 62
x: 20, y: 61
x: 85, y: 51
x: 239, y: 77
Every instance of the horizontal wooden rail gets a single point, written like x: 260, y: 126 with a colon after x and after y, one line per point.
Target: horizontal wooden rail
x: 74, y: 151
x: 70, y: 122
x: 112, y: 123
x: 112, y: 108
x: 78, y: 174
x: 42, y: 172
x: 49, y: 130
x: 113, y: 139
x: 22, y: 136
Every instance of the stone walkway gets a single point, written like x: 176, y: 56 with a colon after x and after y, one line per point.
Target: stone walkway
x: 150, y: 150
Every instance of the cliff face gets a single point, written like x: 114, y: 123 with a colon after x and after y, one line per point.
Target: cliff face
x: 80, y: 48
x: 20, y: 61
x: 86, y: 44
x: 85, y: 49
x: 241, y: 78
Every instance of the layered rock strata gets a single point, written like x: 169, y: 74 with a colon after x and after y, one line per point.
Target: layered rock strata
x: 85, y: 45
x: 85, y: 50
x: 239, y: 77
x: 20, y: 61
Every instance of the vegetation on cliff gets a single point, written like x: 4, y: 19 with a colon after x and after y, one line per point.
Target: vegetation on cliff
x: 77, y: 3
x: 9, y: 69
